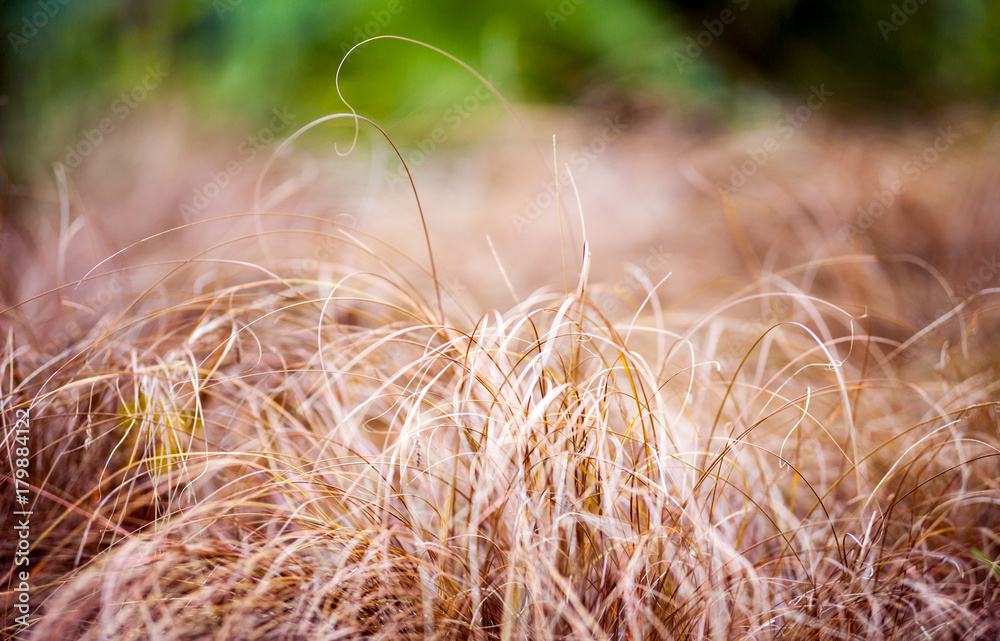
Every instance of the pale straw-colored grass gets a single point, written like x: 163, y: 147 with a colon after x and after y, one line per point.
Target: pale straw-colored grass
x: 253, y: 449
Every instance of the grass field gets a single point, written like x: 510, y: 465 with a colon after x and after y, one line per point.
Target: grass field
x: 662, y: 402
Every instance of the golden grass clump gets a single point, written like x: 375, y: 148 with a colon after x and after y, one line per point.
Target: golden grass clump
x: 296, y: 459
x: 257, y: 450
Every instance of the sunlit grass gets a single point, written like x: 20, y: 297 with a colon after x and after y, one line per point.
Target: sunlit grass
x: 243, y: 443
x: 320, y: 457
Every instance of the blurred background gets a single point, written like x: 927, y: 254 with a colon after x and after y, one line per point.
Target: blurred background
x: 232, y: 62
x: 716, y: 140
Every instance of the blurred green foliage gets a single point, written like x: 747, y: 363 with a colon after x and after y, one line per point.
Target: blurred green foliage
x: 234, y: 61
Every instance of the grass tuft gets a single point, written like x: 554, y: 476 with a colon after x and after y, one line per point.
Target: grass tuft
x: 263, y: 449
